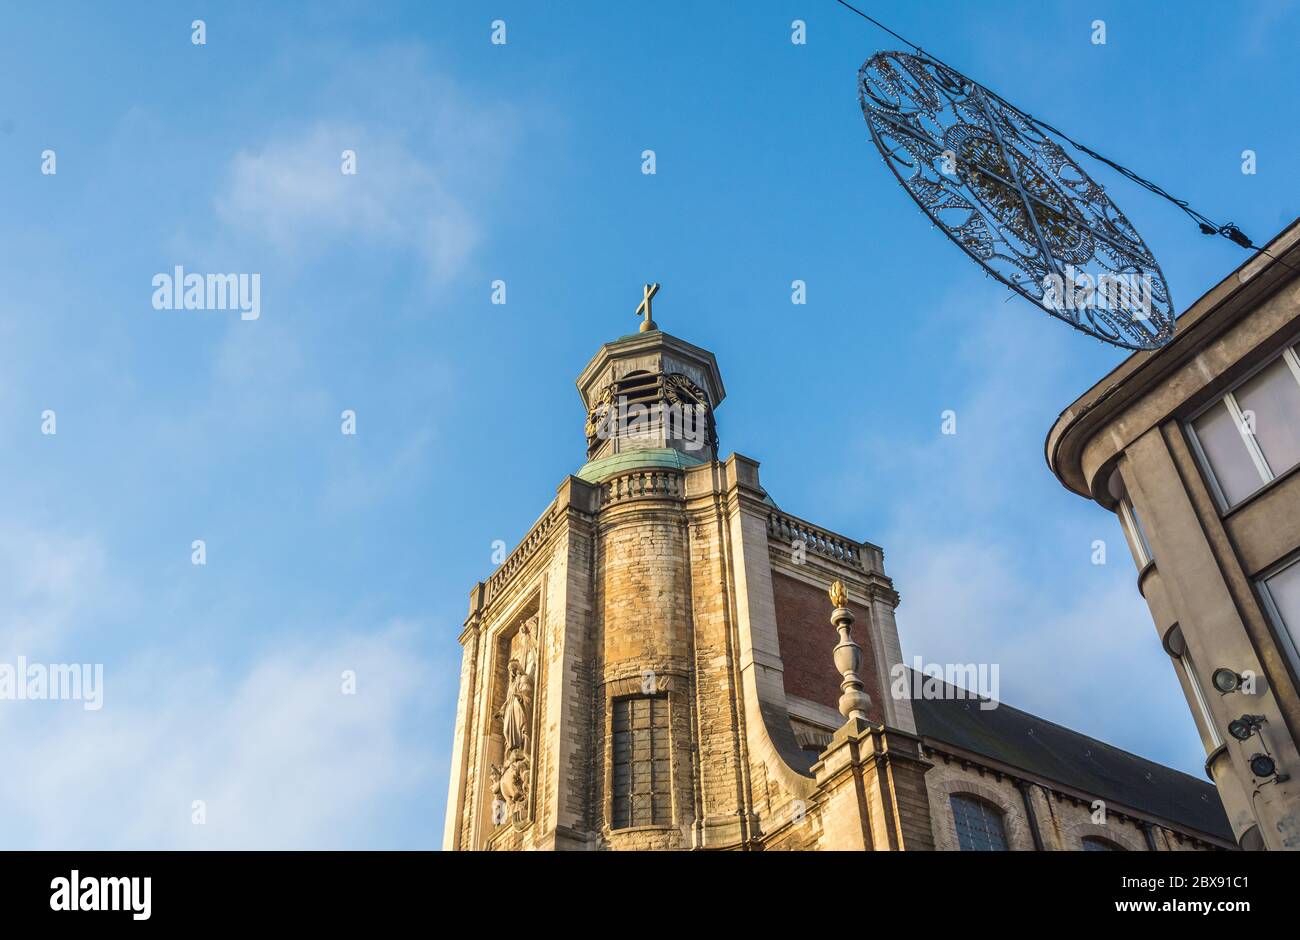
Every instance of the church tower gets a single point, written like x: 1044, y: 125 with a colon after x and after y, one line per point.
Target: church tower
x: 654, y: 666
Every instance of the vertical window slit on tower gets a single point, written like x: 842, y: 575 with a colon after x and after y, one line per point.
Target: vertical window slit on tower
x: 642, y: 793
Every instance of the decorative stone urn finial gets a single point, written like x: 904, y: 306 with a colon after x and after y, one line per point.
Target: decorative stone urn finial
x: 854, y: 701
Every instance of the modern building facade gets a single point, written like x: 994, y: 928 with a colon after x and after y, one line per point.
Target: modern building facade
x: 657, y: 666
x: 1196, y: 448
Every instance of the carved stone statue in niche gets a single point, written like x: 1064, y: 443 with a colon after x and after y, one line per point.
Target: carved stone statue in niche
x: 510, y: 779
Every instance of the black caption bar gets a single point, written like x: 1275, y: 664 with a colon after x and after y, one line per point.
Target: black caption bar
x: 368, y: 889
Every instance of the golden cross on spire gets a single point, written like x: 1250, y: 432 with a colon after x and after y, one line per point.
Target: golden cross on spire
x: 648, y: 293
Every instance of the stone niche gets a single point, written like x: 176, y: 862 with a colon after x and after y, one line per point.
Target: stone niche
x: 512, y: 744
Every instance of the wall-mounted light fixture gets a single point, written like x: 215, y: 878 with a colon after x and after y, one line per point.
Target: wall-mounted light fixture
x: 1226, y: 680
x: 1261, y: 765
x: 1245, y: 726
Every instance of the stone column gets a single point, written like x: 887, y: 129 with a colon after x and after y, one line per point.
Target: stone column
x: 460, y: 756
x: 871, y: 787
x: 870, y: 780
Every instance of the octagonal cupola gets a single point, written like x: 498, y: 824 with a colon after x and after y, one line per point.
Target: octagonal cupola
x: 650, y: 391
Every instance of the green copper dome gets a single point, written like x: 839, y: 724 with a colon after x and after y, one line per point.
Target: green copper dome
x: 596, y: 470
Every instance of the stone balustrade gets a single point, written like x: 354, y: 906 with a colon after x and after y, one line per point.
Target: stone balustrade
x: 787, y: 529
x: 642, y: 484
x: 523, y: 551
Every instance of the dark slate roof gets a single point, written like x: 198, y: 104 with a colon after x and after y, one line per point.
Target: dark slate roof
x: 1049, y: 751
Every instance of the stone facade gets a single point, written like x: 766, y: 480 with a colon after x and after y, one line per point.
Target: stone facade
x: 1130, y: 444
x: 661, y: 572
x: 1063, y: 816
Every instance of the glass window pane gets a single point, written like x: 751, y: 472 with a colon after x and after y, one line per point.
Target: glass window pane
x: 1227, y: 453
x: 1273, y: 398
x: 642, y: 769
x: 979, y: 825
x: 1141, y: 535
x: 1133, y: 529
x: 1284, y: 588
x: 1202, y: 705
x: 1092, y: 844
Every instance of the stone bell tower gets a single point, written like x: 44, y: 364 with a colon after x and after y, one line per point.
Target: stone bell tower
x: 653, y: 667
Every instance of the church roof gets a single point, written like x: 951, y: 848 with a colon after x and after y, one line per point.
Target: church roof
x: 1052, y: 752
x: 594, y: 471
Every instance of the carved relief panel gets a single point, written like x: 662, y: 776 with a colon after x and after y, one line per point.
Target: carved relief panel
x: 513, y: 723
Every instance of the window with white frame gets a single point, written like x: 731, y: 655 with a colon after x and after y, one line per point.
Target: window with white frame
x: 1137, y: 539
x: 1202, y: 703
x: 1128, y: 520
x: 1282, y: 590
x: 1251, y: 436
x: 1177, y: 646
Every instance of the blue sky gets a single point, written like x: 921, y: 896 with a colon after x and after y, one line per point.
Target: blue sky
x: 522, y: 162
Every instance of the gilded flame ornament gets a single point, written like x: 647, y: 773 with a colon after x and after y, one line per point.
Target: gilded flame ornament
x: 839, y: 596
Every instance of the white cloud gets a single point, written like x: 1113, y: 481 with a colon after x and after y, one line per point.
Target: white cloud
x: 291, y: 193
x: 427, y: 160
x: 281, y: 757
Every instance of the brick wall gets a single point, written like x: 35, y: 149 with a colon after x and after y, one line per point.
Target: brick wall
x: 803, y: 617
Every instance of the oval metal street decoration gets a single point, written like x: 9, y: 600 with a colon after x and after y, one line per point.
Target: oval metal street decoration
x: 1013, y: 200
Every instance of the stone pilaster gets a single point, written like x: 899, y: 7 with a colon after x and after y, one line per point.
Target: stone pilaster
x: 461, y: 741
x: 871, y: 791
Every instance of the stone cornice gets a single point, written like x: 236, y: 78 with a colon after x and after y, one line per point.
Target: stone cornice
x: 819, y: 572
x: 839, y: 549
x: 470, y: 628
x: 519, y: 557
x: 575, y: 499
x: 645, y: 343
x: 1209, y: 317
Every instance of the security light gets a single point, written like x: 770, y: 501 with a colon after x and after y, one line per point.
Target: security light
x: 1261, y: 765
x: 1242, y: 728
x: 1226, y: 680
